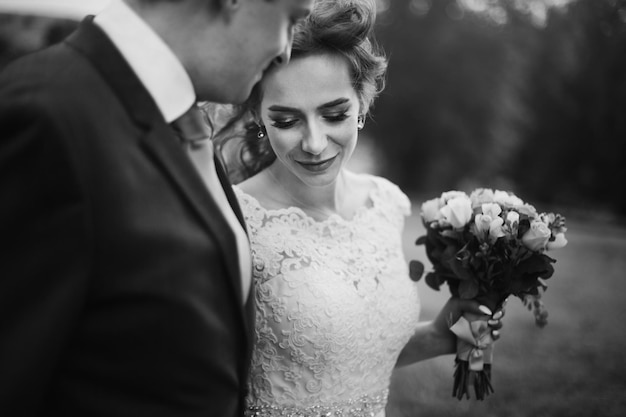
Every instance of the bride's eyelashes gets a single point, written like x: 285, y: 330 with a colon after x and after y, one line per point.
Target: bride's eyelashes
x: 286, y: 123
x: 337, y: 117
x: 283, y: 123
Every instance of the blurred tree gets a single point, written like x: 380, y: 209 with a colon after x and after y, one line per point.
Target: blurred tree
x: 512, y: 94
x: 448, y: 115
x: 578, y: 93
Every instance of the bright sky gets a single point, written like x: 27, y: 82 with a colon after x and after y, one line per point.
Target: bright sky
x: 75, y: 9
x: 537, y: 9
x: 492, y: 9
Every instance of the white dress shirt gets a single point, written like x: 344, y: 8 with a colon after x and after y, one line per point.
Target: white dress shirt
x: 168, y: 83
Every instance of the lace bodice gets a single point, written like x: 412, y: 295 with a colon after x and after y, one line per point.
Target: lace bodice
x: 335, y: 306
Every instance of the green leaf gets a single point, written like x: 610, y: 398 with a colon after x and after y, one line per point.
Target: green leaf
x: 525, y: 277
x: 468, y: 289
x: 448, y: 255
x: 434, y: 280
x: 459, y: 270
x: 416, y: 270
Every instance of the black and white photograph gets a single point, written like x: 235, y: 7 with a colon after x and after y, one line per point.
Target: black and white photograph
x: 312, y: 208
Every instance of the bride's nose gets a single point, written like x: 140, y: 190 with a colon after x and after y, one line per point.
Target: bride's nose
x: 315, y: 140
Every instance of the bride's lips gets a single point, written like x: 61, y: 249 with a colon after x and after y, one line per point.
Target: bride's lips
x: 317, y: 166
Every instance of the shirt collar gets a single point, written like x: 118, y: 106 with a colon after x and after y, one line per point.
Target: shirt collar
x: 154, y: 63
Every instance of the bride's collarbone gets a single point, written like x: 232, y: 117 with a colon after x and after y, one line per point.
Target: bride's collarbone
x: 272, y: 197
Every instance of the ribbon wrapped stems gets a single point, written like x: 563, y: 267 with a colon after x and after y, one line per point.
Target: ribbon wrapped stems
x: 473, y: 357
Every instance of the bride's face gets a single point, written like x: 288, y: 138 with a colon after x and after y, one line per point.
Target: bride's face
x: 310, y: 111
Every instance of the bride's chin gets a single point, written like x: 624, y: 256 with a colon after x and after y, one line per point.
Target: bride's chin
x: 317, y: 181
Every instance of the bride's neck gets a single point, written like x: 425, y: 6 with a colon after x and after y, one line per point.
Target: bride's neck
x: 319, y: 202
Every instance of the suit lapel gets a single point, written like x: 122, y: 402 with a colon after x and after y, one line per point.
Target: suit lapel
x: 159, y: 142
x: 234, y: 203
x: 230, y: 195
x: 166, y: 152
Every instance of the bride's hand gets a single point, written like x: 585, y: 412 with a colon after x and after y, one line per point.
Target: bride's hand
x: 434, y: 338
x: 456, y: 307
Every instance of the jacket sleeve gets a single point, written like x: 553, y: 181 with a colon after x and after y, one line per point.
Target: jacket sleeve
x: 44, y: 250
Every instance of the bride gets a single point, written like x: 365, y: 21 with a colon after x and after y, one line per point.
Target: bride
x: 336, y: 310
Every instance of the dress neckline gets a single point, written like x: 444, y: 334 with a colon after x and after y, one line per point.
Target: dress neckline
x: 369, y: 205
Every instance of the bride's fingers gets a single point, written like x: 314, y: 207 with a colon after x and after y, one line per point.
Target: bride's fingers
x: 474, y: 307
x: 496, y: 320
x: 495, y: 324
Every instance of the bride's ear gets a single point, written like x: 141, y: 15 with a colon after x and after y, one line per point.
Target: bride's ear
x: 360, y: 122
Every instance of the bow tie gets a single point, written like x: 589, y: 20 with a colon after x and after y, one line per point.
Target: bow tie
x: 193, y: 127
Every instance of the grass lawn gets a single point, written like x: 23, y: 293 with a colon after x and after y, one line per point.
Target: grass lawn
x: 575, y: 366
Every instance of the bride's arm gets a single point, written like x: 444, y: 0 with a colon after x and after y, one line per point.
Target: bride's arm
x: 434, y: 338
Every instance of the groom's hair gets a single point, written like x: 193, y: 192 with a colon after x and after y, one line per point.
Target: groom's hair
x: 214, y: 5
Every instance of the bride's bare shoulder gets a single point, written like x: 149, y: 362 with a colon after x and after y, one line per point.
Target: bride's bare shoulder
x: 249, y: 185
x: 260, y: 187
x: 361, y: 187
x: 361, y: 183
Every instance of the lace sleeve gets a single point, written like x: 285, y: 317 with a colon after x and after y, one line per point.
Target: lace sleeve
x: 394, y: 196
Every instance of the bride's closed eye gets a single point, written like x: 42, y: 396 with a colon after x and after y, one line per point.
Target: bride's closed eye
x: 336, y: 117
x: 288, y: 122
x: 284, y: 123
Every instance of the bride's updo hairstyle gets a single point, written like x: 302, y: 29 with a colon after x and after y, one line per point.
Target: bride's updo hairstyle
x: 339, y: 27
x: 345, y: 28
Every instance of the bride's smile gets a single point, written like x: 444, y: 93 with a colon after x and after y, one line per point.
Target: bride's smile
x: 310, y: 110
x: 317, y: 166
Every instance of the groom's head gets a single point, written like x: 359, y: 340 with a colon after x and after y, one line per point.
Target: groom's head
x: 225, y: 45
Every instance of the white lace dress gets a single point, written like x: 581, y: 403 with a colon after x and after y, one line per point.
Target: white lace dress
x: 335, y: 306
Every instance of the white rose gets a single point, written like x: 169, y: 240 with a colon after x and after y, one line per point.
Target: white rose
x: 480, y: 196
x: 495, y: 229
x: 482, y: 223
x: 491, y: 209
x: 430, y: 210
x: 558, y: 242
x: 537, y: 236
x: 512, y: 217
x: 527, y: 210
x: 458, y: 211
x: 507, y: 199
x: 449, y: 195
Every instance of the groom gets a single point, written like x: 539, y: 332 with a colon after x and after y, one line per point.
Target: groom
x: 123, y: 289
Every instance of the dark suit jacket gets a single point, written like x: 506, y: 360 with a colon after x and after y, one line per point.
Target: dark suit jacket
x: 120, y: 292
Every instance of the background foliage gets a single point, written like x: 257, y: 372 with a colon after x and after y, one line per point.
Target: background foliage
x: 526, y: 95
x: 506, y: 98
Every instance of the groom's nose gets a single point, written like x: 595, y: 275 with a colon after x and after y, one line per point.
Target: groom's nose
x: 284, y: 56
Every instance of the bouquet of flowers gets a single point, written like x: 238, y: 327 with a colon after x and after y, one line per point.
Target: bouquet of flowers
x: 487, y: 246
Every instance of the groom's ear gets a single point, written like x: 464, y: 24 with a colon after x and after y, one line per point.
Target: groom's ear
x: 225, y: 8
x: 222, y: 6
x: 227, y: 5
